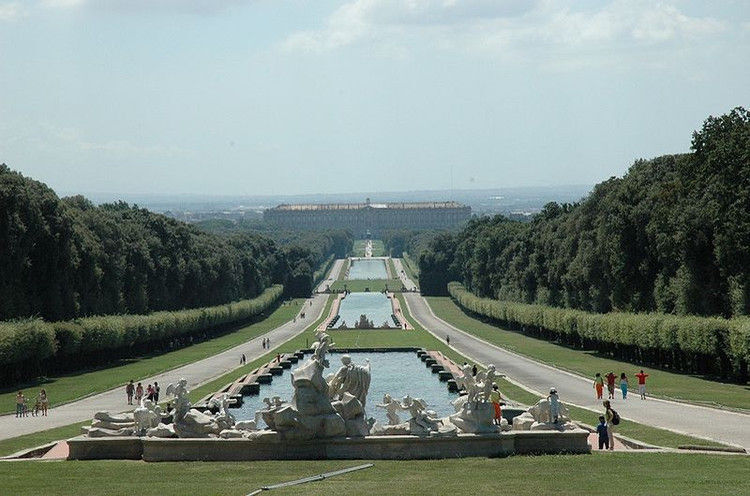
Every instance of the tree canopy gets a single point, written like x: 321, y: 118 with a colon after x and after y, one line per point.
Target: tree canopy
x: 672, y: 235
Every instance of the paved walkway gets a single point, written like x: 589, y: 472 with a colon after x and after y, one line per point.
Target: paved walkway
x: 698, y: 421
x: 408, y: 283
x: 196, y: 373
x: 333, y: 275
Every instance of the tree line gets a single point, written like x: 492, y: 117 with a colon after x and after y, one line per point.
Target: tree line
x: 671, y: 236
x: 67, y: 258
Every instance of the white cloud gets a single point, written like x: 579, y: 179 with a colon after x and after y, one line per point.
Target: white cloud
x: 503, y: 26
x: 10, y: 11
x: 50, y: 137
x: 188, y: 6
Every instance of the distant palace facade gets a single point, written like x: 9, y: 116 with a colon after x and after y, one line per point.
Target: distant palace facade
x: 375, y: 218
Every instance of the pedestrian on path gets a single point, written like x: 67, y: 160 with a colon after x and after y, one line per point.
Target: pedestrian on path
x: 642, y: 384
x: 599, y: 385
x: 474, y: 370
x: 138, y: 393
x: 44, y: 400
x: 447, y: 340
x: 150, y: 392
x: 20, y: 400
x: 156, y: 392
x: 624, y: 385
x: 243, y: 359
x: 601, y: 429
x: 612, y: 420
x: 130, y: 391
x: 611, y: 384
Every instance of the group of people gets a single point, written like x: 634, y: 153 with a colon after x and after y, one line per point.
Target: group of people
x: 41, y: 405
x: 266, y: 343
x: 611, y: 378
x: 137, y: 392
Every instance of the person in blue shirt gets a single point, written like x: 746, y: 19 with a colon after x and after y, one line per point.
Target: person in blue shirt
x: 601, y: 429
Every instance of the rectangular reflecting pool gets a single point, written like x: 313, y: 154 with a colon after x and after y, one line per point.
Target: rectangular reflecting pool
x: 397, y: 373
x: 376, y: 306
x: 367, y: 268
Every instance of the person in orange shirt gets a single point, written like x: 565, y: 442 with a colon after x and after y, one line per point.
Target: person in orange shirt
x: 642, y: 384
x: 599, y: 385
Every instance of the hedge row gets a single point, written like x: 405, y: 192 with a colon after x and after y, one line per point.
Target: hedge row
x: 25, y: 346
x: 322, y: 271
x: 685, y: 343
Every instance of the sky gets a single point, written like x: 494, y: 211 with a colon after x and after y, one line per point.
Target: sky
x: 255, y: 97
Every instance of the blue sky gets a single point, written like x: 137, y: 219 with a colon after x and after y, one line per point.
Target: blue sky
x: 307, y: 96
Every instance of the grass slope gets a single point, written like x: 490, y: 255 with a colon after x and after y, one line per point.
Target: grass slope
x: 629, y: 473
x: 661, y: 383
x: 66, y: 388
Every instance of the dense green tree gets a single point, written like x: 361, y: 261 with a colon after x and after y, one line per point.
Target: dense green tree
x: 672, y: 235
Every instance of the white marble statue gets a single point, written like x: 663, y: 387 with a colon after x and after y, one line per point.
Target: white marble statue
x: 224, y: 418
x: 391, y: 408
x: 147, y: 416
x: 422, y: 421
x: 352, y: 379
x: 469, y: 383
x: 182, y: 403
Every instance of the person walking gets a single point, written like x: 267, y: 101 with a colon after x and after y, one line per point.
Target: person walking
x: 447, y: 340
x: 138, y: 393
x: 624, y: 385
x: 150, y: 392
x: 611, y: 384
x: 44, y: 400
x: 130, y: 391
x: 474, y: 370
x: 610, y: 416
x: 19, y: 404
x: 599, y: 385
x: 156, y: 392
x: 601, y: 429
x: 642, y: 384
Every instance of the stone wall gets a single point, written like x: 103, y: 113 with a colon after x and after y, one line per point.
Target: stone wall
x: 371, y: 448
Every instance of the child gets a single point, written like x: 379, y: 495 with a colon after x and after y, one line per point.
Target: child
x: 601, y: 429
x: 37, y: 407
x: 599, y: 385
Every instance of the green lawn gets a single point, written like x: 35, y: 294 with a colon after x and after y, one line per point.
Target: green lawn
x: 411, y: 268
x: 392, y: 268
x: 66, y: 388
x: 627, y: 473
x: 661, y: 383
x: 378, y: 248
x: 375, y: 285
x: 344, y: 268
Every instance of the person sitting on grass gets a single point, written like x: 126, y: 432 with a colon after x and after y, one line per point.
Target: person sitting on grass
x: 601, y: 429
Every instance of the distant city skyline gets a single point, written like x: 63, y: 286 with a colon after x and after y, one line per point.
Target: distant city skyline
x: 253, y: 97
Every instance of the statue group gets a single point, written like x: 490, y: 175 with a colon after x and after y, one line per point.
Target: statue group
x: 327, y: 407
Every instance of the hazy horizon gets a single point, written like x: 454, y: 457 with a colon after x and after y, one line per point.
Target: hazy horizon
x: 252, y: 97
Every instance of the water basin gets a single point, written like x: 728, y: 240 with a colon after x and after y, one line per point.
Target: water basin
x: 376, y: 306
x: 367, y: 268
x: 397, y: 373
